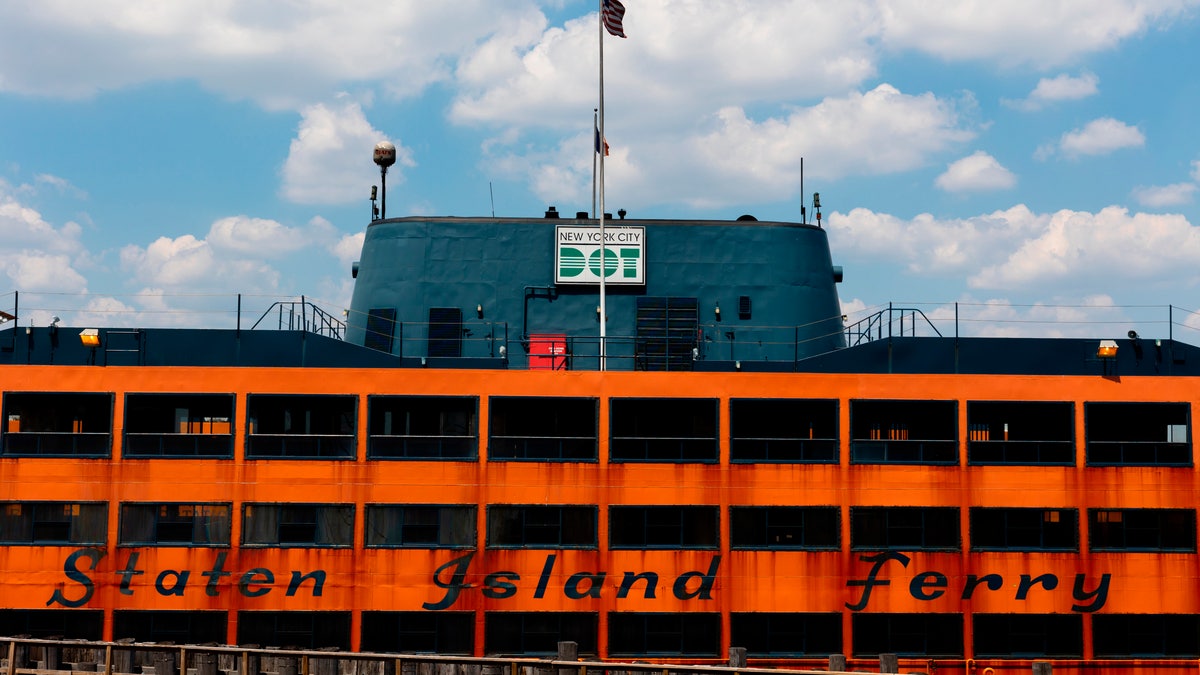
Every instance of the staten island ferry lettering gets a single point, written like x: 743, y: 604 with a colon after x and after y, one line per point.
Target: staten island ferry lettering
x: 505, y: 584
x: 931, y: 585
x: 252, y: 583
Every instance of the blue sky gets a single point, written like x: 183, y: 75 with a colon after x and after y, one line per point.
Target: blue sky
x: 1036, y: 162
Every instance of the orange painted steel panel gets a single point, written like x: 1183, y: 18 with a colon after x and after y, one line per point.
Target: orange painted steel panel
x: 520, y: 580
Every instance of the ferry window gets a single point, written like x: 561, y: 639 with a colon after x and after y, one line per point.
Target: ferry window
x: 174, y: 524
x: 904, y: 432
x: 302, y: 629
x: 420, y: 526
x: 542, y: 429
x: 1024, y: 529
x: 783, y: 430
x: 1026, y: 635
x: 49, y: 523
x: 179, y: 627
x: 57, y: 424
x: 538, y: 633
x: 929, y: 528
x: 652, y: 634
x: 419, y: 632
x: 541, y: 526
x: 1145, y: 434
x: 301, y: 427
x: 423, y: 427
x: 784, y: 527
x: 1021, y: 432
x: 298, y: 525
x: 642, y: 527
x: 923, y: 634
x: 1124, y: 636
x: 71, y: 624
x: 178, y: 425
x: 663, y: 430
x: 771, y: 634
x: 1142, y: 530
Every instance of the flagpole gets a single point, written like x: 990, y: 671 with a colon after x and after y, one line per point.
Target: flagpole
x: 600, y: 213
x: 595, y: 142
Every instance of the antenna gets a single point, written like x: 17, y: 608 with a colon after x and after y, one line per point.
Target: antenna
x: 492, y: 196
x: 803, y: 216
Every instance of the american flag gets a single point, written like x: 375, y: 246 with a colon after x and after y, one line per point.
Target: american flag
x: 611, y: 15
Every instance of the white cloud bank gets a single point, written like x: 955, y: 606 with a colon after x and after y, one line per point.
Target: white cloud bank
x: 1016, y: 249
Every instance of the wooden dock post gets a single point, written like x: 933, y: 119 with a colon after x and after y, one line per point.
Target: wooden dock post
x: 837, y: 663
x: 737, y: 657
x: 1042, y: 668
x: 889, y: 663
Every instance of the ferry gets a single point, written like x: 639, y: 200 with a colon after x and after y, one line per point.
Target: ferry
x: 658, y: 439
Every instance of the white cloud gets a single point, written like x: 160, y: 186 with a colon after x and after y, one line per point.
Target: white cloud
x: 329, y: 160
x: 40, y: 271
x: 1100, y: 137
x: 278, y: 55
x: 1059, y: 88
x: 976, y: 173
x: 1157, y: 196
x: 746, y: 51
x: 740, y: 159
x: 1021, y: 32
x: 265, y: 238
x: 37, y: 256
x: 1100, y: 250
x: 348, y: 249
x: 1017, y: 249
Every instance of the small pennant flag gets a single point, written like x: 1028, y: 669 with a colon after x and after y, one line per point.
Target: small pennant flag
x: 611, y: 14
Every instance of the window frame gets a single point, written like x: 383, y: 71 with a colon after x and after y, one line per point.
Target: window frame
x: 1002, y: 448
x: 250, y: 530
x: 739, y: 514
x: 1096, y: 516
x: 467, y: 512
x: 548, y: 513
x: 126, y: 539
x: 788, y: 449
x: 688, y: 520
x: 328, y: 446
x: 98, y: 523
x: 628, y: 444
x: 976, y: 527
x: 871, y: 444
x: 203, y: 445
x: 410, y: 447
x: 82, y: 444
x: 569, y: 448
x: 894, y: 530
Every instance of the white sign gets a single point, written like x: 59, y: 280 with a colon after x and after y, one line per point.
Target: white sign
x: 577, y: 255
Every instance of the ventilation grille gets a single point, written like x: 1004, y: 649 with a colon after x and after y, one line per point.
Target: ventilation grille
x: 666, y: 332
x: 445, y: 332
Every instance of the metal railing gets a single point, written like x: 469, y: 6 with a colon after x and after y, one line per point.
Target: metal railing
x: 301, y: 315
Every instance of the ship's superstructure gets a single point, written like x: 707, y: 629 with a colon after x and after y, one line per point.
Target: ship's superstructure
x: 467, y: 472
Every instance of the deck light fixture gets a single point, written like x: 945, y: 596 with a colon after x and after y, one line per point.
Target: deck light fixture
x: 1107, y: 349
x: 90, y: 337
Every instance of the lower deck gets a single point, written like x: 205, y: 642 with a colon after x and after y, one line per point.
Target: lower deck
x: 640, y: 515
